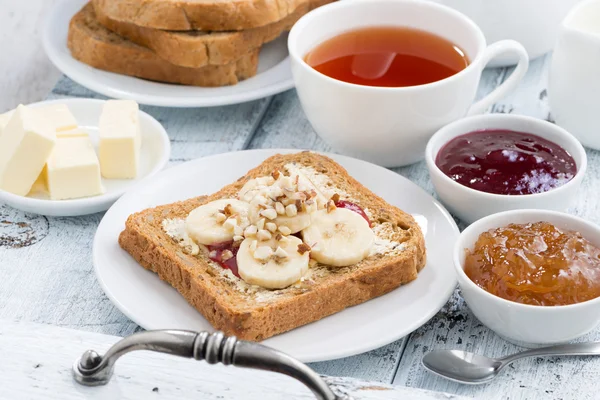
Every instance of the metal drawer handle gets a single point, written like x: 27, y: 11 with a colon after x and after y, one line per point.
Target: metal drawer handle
x: 94, y: 370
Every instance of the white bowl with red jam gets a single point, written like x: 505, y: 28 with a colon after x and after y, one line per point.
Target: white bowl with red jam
x: 498, y: 162
x: 532, y: 276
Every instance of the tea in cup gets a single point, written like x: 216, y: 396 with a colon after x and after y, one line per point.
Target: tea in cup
x: 377, y: 78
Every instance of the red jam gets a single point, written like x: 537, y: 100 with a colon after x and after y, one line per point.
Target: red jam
x: 506, y: 162
x: 353, y: 207
x: 217, y: 250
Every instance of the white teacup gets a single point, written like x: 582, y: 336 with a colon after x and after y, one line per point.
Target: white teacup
x: 391, y: 126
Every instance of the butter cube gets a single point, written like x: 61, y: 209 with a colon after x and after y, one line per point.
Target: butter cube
x: 73, y: 169
x: 59, y: 116
x: 25, y: 145
x: 4, y: 118
x: 120, y: 139
x: 77, y: 132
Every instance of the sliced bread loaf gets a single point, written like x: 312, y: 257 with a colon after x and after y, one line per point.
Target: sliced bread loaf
x: 196, y: 49
x: 254, y: 313
x: 204, y: 15
x: 100, y: 48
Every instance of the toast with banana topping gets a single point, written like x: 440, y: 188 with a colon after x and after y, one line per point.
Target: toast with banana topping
x: 294, y: 240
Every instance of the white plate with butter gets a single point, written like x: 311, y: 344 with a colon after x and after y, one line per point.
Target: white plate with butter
x: 153, y: 304
x: 154, y: 155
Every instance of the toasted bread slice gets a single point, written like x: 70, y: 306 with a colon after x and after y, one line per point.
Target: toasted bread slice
x: 100, y: 48
x: 202, y: 15
x: 254, y: 313
x: 197, y: 49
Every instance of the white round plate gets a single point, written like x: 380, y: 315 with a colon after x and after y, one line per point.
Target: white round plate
x: 153, y: 304
x: 274, y: 73
x: 154, y: 155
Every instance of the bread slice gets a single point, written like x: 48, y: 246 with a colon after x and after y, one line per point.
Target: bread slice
x: 100, y: 48
x: 203, y: 15
x: 254, y: 313
x: 196, y: 49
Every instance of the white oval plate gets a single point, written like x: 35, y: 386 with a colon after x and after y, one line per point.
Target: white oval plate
x: 155, y: 153
x: 153, y: 304
x: 274, y: 73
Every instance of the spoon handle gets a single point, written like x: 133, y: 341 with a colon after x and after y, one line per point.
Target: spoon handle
x: 571, y: 349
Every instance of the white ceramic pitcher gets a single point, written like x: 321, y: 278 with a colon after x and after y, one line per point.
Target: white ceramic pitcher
x: 533, y: 23
x: 574, y: 84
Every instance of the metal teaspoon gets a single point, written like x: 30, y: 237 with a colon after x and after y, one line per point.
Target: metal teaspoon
x: 470, y: 368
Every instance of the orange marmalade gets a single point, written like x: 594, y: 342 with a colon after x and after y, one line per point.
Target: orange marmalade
x: 535, y: 263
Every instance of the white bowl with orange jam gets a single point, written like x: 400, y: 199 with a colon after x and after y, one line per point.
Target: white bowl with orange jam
x: 532, y: 276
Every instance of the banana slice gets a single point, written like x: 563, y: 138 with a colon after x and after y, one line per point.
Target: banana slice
x: 339, y: 238
x: 218, y: 221
x: 272, y: 264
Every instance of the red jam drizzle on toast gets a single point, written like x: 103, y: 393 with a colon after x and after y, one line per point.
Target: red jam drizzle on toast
x: 353, y: 207
x: 217, y: 251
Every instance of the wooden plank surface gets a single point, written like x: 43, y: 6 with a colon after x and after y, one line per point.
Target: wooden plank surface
x: 42, y: 356
x: 47, y: 275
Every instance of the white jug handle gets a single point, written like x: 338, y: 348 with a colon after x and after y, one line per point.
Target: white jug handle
x: 496, y: 49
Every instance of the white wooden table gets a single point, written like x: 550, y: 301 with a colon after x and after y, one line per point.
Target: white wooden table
x: 46, y: 273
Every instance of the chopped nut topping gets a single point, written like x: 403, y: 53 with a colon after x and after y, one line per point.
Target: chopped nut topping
x: 301, y: 196
x: 228, y: 210
x: 269, y: 213
x: 271, y: 227
x: 285, y: 230
x: 311, y: 193
x: 280, y: 253
x: 303, y: 248
x: 226, y: 255
x: 331, y: 206
x: 230, y: 223
x: 296, y: 180
x: 251, y: 231
x: 263, y: 253
x: 220, y: 217
x: 335, y: 198
x: 299, y: 205
x: 263, y: 235
x: 253, y: 246
x: 279, y: 208
x: 291, y: 210
x: 213, y: 254
x: 260, y: 224
x: 276, y: 174
x: 238, y: 238
x: 238, y: 230
x: 278, y: 237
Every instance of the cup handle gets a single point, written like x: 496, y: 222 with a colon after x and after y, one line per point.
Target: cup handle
x: 496, y: 49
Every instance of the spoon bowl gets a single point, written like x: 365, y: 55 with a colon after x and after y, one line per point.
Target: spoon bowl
x: 462, y: 366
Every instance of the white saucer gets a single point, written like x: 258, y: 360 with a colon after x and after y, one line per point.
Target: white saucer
x: 274, y: 73
x: 153, y: 304
x: 156, y: 150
